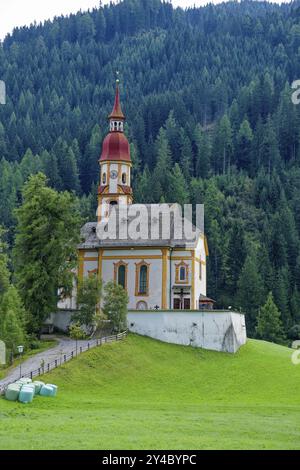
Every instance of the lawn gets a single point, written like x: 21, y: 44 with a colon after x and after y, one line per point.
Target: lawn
x: 144, y: 394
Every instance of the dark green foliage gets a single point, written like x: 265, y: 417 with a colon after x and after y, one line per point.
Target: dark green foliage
x: 115, y: 305
x: 45, y: 247
x: 210, y: 120
x: 269, y: 326
x: 88, y: 301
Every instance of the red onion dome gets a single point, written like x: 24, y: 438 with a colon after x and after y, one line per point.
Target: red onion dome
x: 115, y: 147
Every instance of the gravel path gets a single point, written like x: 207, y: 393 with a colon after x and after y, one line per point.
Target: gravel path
x: 64, y: 346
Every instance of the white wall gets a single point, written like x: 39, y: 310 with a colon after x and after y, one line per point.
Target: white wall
x: 222, y: 331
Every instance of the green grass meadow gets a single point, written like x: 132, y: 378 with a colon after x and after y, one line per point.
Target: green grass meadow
x: 144, y: 394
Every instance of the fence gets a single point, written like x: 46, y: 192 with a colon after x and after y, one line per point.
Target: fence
x: 67, y: 357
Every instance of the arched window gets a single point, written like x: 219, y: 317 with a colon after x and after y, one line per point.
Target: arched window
x: 143, y: 280
x: 104, y: 178
x: 123, y: 178
x: 116, y: 126
x: 120, y: 272
x: 182, y: 273
x: 122, y: 276
x: 141, y: 305
x: 113, y: 203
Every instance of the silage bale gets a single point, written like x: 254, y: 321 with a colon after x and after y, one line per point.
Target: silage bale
x: 25, y: 380
x: 26, y: 395
x: 30, y: 386
x: 12, y: 392
x: 46, y: 391
x: 38, y: 385
x: 54, y: 388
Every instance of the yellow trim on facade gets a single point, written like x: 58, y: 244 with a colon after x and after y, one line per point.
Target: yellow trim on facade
x: 116, y: 268
x: 182, y: 264
x: 108, y: 173
x: 132, y: 257
x: 193, y: 283
x: 93, y: 272
x: 164, y: 278
x: 99, y: 259
x: 80, y: 265
x: 137, y: 278
x: 103, y: 162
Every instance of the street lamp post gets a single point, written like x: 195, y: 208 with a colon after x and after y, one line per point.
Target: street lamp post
x: 20, y: 351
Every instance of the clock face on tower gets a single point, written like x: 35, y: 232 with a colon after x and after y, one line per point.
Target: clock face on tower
x: 113, y: 174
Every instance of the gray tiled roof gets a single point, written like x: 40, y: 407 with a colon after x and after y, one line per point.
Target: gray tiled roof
x: 91, y: 240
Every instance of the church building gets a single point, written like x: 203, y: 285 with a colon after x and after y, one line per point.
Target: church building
x: 162, y: 273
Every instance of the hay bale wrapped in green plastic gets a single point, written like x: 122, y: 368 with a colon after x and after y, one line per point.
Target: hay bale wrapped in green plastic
x: 25, y: 380
x: 54, y: 388
x: 46, y: 391
x: 38, y: 385
x: 26, y: 394
x: 12, y: 392
x: 30, y: 386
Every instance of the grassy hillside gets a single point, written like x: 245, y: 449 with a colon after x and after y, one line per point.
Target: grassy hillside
x: 143, y: 394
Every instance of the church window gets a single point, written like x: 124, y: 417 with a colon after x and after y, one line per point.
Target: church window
x: 142, y: 279
x: 120, y: 274
x: 182, y: 273
x: 141, y: 305
x: 113, y: 203
x: 104, y: 178
x: 124, y: 178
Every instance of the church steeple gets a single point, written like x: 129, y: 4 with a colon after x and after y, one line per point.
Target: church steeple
x: 117, y: 113
x: 115, y: 162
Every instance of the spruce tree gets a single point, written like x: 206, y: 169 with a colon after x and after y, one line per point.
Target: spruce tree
x: 269, y: 325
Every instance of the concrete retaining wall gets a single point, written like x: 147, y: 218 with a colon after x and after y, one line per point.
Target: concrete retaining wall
x: 219, y: 331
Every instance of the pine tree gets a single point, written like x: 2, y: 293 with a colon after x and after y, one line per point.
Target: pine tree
x: 162, y: 172
x: 69, y: 172
x: 178, y: 189
x: 4, y: 272
x: 250, y: 291
x: 203, y: 155
x: 222, y: 148
x: 244, y: 145
x: 50, y: 168
x: 236, y: 255
x: 269, y: 325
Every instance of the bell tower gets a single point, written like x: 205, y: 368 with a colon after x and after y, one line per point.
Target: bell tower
x: 115, y: 163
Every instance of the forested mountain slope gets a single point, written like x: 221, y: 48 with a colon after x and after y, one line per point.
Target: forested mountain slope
x: 207, y: 97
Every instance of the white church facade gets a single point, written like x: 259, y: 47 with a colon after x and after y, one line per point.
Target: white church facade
x: 157, y: 273
x: 164, y: 275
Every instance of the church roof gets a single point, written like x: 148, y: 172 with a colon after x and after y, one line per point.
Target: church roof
x: 117, y: 112
x: 115, y: 147
x: 90, y: 239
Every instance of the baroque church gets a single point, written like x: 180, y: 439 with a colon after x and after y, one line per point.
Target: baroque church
x: 162, y: 273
